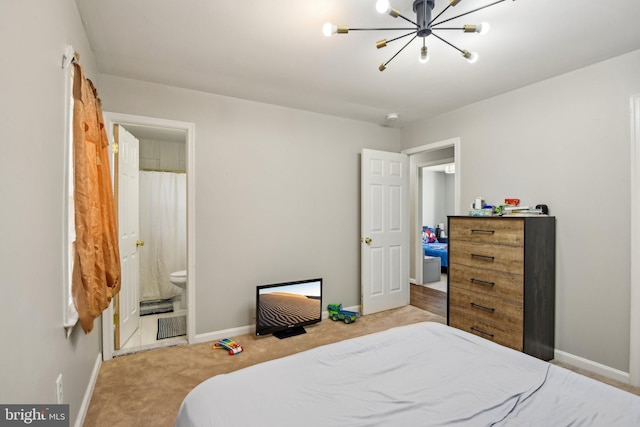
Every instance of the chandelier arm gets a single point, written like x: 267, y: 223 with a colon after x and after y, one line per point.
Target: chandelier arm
x: 381, y: 29
x: 440, y: 14
x: 451, y: 28
x: 408, y: 20
x: 401, y: 49
x: 467, y: 13
x: 399, y: 37
x: 450, y: 44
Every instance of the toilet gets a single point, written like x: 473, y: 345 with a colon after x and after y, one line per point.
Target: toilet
x: 179, y: 278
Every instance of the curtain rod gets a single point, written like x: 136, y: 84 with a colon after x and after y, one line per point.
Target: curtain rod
x: 69, y: 56
x: 162, y: 170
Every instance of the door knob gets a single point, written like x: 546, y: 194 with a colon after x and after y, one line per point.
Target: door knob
x: 139, y: 243
x: 366, y: 240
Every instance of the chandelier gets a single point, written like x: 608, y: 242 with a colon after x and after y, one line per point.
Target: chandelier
x: 423, y: 27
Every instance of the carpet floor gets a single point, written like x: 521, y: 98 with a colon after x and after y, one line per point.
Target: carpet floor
x: 146, y: 389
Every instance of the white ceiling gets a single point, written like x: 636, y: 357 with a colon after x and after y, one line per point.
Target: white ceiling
x: 153, y: 133
x: 274, y: 51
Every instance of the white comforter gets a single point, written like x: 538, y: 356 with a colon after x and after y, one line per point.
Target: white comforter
x: 425, y: 374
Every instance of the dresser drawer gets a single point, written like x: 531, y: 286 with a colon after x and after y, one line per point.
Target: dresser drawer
x: 494, y: 332
x: 502, y: 258
x: 496, y: 283
x: 508, y: 232
x: 496, y: 310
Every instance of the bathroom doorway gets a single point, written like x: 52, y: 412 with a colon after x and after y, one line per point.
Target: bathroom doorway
x: 163, y: 229
x: 166, y: 243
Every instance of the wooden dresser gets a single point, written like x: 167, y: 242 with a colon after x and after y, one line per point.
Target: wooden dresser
x: 501, y: 280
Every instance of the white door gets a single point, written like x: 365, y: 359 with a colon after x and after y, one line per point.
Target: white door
x: 385, y: 230
x: 129, y: 228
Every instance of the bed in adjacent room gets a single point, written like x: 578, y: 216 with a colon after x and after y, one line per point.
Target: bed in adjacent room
x: 422, y: 374
x: 437, y: 250
x: 432, y: 247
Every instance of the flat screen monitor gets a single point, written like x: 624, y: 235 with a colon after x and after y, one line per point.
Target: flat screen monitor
x: 284, y: 309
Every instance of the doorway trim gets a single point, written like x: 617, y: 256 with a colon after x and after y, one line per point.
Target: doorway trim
x: 112, y: 118
x: 414, y: 188
x: 634, y: 285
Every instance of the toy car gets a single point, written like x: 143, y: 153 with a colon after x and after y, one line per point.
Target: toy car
x: 337, y: 313
x: 230, y: 345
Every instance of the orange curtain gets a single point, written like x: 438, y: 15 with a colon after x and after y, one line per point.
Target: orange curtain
x: 96, y: 269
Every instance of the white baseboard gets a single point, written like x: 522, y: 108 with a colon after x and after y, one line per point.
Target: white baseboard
x: 225, y: 333
x: 591, y: 366
x: 86, y: 400
x: 249, y: 329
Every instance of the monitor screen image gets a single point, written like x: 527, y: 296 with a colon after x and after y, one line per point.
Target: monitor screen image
x: 284, y: 308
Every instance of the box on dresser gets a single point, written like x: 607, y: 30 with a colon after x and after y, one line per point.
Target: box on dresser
x: 501, y: 281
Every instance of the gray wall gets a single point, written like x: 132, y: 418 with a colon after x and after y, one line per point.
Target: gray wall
x: 435, y: 198
x: 432, y: 198
x: 163, y: 155
x: 564, y: 142
x: 277, y: 194
x: 449, y: 197
x: 33, y: 35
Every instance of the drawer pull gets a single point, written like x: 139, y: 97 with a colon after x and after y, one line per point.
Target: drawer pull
x: 482, y: 307
x: 480, y: 331
x: 482, y: 282
x: 475, y: 230
x: 487, y: 257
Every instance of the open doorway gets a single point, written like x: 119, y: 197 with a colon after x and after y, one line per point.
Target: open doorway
x: 165, y: 165
x: 162, y: 187
x: 437, y: 193
x: 429, y: 162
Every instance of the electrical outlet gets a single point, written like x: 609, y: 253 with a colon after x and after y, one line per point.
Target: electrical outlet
x: 59, y: 394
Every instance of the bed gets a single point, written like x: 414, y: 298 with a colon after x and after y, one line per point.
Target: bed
x: 431, y: 246
x: 437, y: 250
x: 425, y: 374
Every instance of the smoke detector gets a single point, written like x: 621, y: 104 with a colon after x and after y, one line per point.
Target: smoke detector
x: 392, y: 117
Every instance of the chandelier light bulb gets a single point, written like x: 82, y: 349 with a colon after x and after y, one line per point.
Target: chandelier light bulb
x: 423, y: 26
x: 424, y: 55
x: 383, y: 6
x: 471, y: 57
x: 329, y: 28
x: 483, y: 28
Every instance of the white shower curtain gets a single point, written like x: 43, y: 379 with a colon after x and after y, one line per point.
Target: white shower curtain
x: 163, y: 228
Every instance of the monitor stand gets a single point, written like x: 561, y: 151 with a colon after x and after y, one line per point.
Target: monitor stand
x: 291, y: 332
